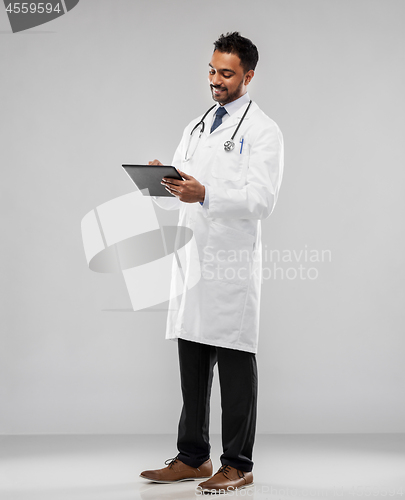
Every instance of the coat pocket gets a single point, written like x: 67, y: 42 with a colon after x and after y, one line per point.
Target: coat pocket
x: 230, y: 165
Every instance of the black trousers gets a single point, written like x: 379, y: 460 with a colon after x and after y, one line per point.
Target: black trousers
x: 238, y: 381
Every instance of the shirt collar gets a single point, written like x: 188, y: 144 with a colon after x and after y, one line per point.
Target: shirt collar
x: 234, y: 106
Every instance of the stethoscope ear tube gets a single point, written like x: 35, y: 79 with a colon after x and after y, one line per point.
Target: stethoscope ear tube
x: 230, y: 145
x: 201, y: 122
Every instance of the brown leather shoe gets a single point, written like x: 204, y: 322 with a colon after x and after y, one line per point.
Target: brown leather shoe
x: 227, y: 479
x: 177, y: 471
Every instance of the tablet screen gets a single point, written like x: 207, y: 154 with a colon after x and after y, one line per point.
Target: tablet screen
x: 150, y: 176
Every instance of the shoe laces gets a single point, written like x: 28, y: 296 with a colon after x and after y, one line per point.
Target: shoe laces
x: 226, y: 468
x: 170, y: 462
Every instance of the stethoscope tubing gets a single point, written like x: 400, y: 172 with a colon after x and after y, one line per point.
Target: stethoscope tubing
x: 228, y: 145
x: 240, y: 123
x: 201, y: 122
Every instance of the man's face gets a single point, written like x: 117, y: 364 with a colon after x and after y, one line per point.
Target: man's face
x: 226, y: 77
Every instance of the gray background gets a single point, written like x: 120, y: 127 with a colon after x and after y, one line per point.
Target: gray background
x: 116, y: 81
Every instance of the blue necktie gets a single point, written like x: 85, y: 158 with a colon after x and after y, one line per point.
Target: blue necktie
x: 221, y: 111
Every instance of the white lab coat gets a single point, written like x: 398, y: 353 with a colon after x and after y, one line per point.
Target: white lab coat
x: 223, y: 308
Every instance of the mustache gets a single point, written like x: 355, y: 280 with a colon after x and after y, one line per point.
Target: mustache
x: 218, y: 87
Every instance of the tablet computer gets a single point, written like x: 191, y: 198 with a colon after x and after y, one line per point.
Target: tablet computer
x: 150, y: 177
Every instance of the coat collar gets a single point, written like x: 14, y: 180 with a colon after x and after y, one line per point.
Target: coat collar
x: 231, y: 122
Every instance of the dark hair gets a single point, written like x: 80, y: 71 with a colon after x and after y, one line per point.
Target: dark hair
x: 233, y: 43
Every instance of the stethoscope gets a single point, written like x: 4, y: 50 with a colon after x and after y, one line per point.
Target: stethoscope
x: 228, y: 145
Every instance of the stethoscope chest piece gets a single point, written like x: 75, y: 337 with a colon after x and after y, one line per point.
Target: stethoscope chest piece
x: 229, y: 145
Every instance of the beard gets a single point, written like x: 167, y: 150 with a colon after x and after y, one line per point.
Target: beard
x: 225, y: 97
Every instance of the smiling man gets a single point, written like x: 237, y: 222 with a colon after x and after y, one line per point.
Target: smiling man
x: 231, y: 161
x: 227, y: 79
